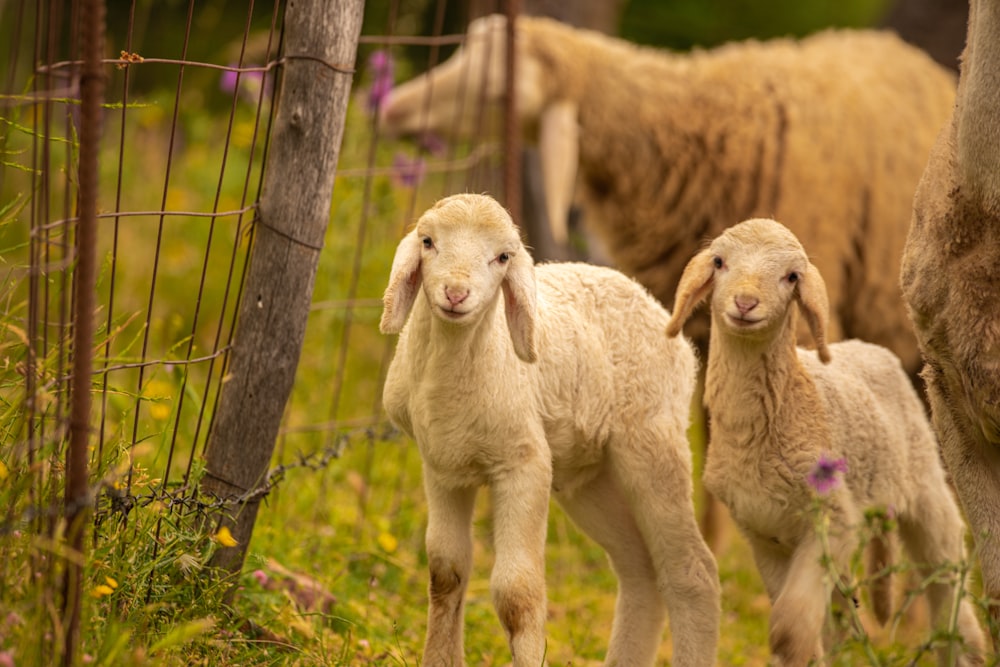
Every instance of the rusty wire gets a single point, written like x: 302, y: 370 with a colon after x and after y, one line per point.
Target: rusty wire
x: 43, y: 89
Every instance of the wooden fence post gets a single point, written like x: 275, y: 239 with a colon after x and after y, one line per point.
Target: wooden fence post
x: 321, y: 39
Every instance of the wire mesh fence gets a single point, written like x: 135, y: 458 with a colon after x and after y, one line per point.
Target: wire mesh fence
x: 187, y: 116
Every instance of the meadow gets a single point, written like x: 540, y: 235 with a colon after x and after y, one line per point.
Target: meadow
x: 336, y: 573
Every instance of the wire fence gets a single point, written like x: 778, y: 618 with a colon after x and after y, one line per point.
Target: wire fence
x: 188, y: 110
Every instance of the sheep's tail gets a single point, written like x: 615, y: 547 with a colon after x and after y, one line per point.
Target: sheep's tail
x: 880, y: 586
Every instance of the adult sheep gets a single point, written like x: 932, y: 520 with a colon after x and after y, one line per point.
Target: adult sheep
x: 537, y: 380
x: 951, y: 281
x: 828, y: 134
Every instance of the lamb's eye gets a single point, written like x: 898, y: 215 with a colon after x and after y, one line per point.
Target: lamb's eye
x: 503, y: 257
x: 717, y: 261
x: 793, y: 277
x: 428, y: 243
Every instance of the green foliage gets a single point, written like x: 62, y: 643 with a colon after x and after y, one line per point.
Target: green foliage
x: 683, y: 24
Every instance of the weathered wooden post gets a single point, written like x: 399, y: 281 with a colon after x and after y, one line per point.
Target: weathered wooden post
x: 321, y: 39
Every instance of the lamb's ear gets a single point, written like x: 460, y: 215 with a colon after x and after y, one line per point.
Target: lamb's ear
x: 815, y: 307
x: 520, y: 300
x: 404, y: 281
x: 695, y: 284
x: 558, y: 153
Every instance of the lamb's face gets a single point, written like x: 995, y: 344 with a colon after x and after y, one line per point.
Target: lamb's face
x: 468, y: 244
x: 758, y: 265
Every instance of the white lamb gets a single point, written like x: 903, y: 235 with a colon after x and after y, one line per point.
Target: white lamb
x: 525, y: 379
x: 777, y: 409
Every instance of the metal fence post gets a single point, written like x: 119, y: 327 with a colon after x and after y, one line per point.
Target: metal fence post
x: 77, y: 502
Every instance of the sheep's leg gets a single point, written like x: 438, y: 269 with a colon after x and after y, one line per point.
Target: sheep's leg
x: 799, y: 610
x: 449, y: 556
x: 520, y: 521
x: 932, y: 533
x: 600, y: 509
x: 772, y: 564
x: 653, y: 467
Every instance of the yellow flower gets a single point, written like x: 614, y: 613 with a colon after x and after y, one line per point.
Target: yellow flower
x: 111, y: 582
x: 387, y: 542
x: 158, y: 393
x: 4, y: 472
x: 225, y: 538
x: 102, y: 590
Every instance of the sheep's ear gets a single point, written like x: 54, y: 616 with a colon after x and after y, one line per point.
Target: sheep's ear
x: 404, y: 281
x: 695, y: 284
x: 815, y: 307
x: 519, y: 295
x: 558, y: 152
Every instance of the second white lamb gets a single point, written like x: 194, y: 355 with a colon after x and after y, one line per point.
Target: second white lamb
x: 778, y: 411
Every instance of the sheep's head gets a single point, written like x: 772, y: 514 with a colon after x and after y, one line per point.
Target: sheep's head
x: 463, y: 252
x: 451, y: 99
x: 753, y: 272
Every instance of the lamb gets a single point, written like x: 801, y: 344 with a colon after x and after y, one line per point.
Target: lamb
x: 526, y: 379
x: 829, y: 134
x: 951, y: 283
x: 778, y: 410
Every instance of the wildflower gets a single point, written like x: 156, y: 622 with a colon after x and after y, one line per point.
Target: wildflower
x: 381, y: 65
x: 101, y: 590
x: 823, y: 477
x: 261, y: 577
x: 4, y: 472
x: 6, y: 659
x: 225, y: 537
x: 158, y: 393
x: 111, y: 582
x: 188, y: 563
x: 249, y: 82
x: 388, y: 542
x: 433, y: 143
x: 407, y: 171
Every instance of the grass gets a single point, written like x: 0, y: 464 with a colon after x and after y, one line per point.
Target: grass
x: 336, y: 572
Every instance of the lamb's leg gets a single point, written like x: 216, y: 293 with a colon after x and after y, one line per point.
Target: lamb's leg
x: 520, y: 522
x: 652, y: 465
x: 799, y: 609
x: 772, y: 565
x: 449, y: 556
x: 599, y: 509
x: 932, y: 533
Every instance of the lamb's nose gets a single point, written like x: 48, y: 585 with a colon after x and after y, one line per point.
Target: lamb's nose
x: 746, y: 303
x: 455, y: 295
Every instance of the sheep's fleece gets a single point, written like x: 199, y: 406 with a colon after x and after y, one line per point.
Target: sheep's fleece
x: 778, y: 411
x: 528, y: 380
x: 951, y: 281
x: 828, y: 134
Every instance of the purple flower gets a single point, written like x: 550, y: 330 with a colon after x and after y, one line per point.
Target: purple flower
x: 228, y: 81
x: 407, y: 171
x: 433, y: 143
x: 381, y: 66
x: 824, y: 477
x: 249, y: 83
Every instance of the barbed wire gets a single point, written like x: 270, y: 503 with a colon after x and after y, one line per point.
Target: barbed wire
x: 108, y: 498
